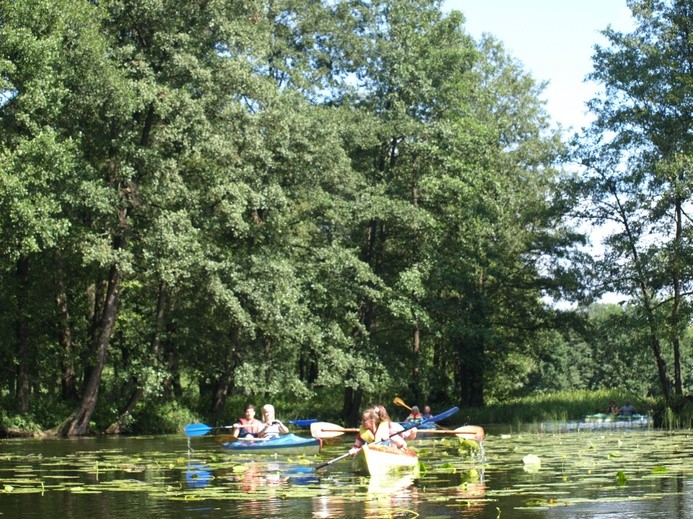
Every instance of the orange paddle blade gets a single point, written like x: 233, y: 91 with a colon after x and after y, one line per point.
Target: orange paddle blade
x: 400, y: 402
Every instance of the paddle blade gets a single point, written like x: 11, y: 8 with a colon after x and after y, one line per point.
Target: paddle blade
x: 400, y: 402
x: 303, y: 422
x: 470, y: 432
x: 325, y: 430
x: 197, y: 429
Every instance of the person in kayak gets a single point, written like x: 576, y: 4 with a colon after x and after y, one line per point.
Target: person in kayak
x: 426, y: 413
x: 377, y: 427
x: 366, y: 434
x: 612, y: 409
x: 387, y: 430
x: 248, y: 426
x: 414, y: 416
x: 271, y: 427
x: 627, y: 409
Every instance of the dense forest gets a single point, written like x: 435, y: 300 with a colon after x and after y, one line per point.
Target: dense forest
x: 323, y: 203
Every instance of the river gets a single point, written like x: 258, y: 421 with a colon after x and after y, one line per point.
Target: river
x: 605, y: 473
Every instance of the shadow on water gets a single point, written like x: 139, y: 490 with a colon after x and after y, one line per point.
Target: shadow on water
x: 605, y: 473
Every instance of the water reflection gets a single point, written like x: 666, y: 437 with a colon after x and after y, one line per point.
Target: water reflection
x: 158, y: 477
x: 198, y: 475
x: 464, y: 490
x: 390, y: 496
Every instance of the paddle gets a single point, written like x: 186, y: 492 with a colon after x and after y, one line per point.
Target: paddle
x: 468, y: 432
x: 303, y: 422
x: 324, y: 430
x: 400, y: 402
x: 432, y: 419
x: 200, y: 429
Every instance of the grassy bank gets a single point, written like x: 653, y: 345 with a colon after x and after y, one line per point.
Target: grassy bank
x: 563, y: 406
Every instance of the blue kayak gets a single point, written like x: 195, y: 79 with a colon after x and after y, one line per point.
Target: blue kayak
x: 286, y: 444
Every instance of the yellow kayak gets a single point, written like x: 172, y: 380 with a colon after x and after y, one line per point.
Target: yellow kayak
x: 378, y: 460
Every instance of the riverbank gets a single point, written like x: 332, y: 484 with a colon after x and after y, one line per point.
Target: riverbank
x: 566, y: 406
x: 570, y: 406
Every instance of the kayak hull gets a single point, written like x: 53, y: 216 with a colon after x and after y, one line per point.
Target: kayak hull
x: 381, y: 460
x: 285, y: 444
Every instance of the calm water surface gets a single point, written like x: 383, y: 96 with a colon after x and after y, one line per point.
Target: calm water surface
x: 605, y: 474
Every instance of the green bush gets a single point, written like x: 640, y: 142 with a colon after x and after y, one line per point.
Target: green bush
x: 159, y: 418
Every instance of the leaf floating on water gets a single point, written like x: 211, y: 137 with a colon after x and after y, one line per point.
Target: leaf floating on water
x: 536, y: 501
x: 659, y: 470
x: 448, y: 467
x: 422, y: 469
x: 621, y: 478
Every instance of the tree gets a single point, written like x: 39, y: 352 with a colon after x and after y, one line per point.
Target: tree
x: 637, y: 159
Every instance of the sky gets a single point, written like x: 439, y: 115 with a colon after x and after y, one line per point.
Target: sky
x: 553, y: 39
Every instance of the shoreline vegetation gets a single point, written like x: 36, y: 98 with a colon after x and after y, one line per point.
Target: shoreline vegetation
x: 517, y: 413
x: 321, y: 204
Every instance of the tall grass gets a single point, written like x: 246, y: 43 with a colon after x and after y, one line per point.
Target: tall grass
x: 560, y: 407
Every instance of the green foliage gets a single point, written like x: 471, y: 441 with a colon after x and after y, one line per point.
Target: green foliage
x: 555, y: 407
x: 637, y: 156
x: 23, y: 423
x: 159, y: 418
x: 321, y: 205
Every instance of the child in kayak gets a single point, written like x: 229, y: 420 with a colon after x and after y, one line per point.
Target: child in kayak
x: 376, y: 426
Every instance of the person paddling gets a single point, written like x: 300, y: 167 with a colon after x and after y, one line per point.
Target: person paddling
x: 369, y: 426
x: 387, y: 429
x: 248, y: 426
x: 414, y: 416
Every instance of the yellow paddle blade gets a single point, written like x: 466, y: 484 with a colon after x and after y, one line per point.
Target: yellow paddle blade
x: 400, y: 402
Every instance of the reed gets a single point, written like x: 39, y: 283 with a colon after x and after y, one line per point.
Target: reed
x: 554, y: 407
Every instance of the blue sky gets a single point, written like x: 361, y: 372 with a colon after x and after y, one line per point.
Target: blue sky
x: 553, y: 39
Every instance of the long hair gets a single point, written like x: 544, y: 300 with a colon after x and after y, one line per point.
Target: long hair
x: 269, y: 409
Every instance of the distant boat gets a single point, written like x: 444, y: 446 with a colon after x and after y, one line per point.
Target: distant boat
x: 600, y: 421
x: 603, y: 417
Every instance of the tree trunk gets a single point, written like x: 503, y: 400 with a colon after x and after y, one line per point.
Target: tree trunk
x: 78, y: 423
x: 226, y: 382
x: 352, y: 405
x: 68, y: 378
x: 646, y: 300
x: 23, y: 342
x: 676, y: 308
x: 155, y: 346
x: 469, y: 375
x: 415, y: 384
